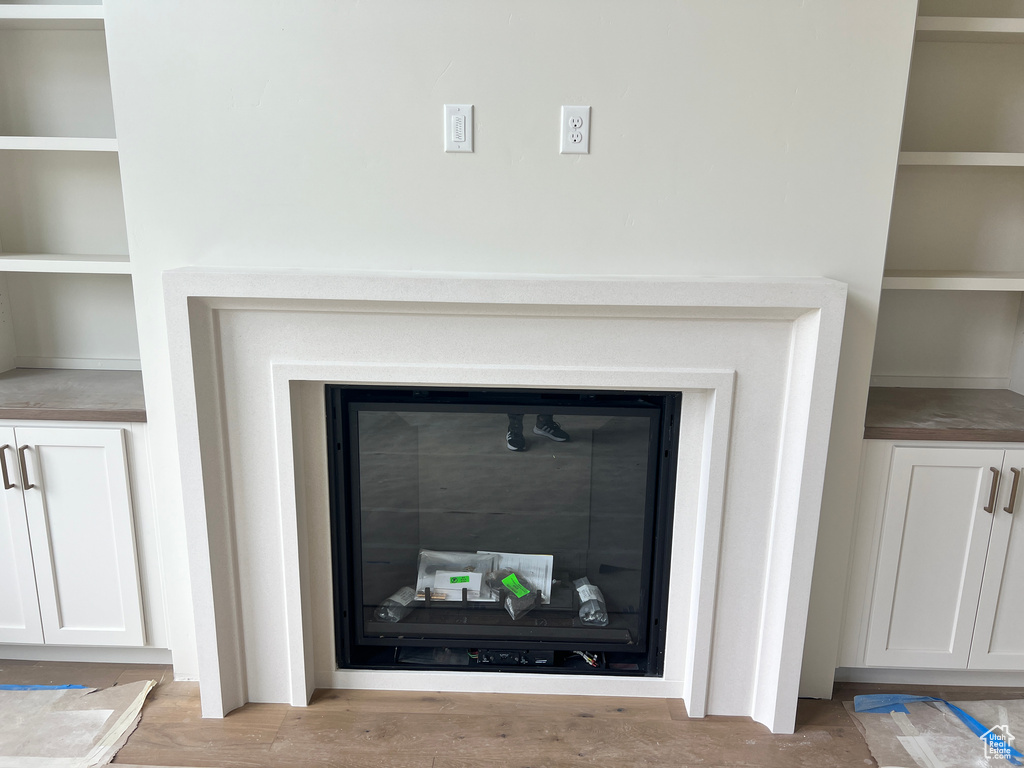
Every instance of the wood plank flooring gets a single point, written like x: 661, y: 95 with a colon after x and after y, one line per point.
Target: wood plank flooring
x: 443, y: 730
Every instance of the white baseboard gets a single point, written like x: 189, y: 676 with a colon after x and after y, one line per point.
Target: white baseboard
x: 940, y: 382
x: 78, y: 363
x: 95, y: 654
x: 949, y: 677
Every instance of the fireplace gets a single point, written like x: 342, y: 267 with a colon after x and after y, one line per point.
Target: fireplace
x: 755, y: 360
x: 471, y: 530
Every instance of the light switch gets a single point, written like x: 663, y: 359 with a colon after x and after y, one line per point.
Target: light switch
x: 458, y: 127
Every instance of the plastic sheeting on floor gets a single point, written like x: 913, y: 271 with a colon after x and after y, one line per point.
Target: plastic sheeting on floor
x: 929, y: 734
x: 68, y: 727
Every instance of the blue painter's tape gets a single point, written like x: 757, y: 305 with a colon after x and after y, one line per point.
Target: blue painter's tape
x: 39, y: 687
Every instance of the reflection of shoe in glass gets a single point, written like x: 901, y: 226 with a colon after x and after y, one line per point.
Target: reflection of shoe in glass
x: 550, y: 429
x: 514, y: 438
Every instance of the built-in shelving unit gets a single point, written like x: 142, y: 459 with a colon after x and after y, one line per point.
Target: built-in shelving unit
x: 947, y: 396
x: 65, y: 272
x: 951, y: 313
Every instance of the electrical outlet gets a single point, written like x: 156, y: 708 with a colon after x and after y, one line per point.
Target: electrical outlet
x: 575, y: 134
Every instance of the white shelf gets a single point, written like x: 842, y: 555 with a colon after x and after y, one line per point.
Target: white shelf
x: 57, y: 144
x: 955, y: 29
x: 990, y: 159
x: 51, y: 16
x: 65, y: 263
x: 952, y: 281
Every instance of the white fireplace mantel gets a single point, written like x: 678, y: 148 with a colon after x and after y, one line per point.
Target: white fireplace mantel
x: 756, y: 360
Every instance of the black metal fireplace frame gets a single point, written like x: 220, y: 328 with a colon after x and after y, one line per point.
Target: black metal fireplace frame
x: 354, y: 649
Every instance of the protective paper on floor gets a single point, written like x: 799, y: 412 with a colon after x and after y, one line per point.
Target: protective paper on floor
x: 931, y: 736
x: 78, y: 728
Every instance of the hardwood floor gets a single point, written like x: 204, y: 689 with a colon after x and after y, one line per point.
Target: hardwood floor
x: 416, y: 730
x: 441, y: 730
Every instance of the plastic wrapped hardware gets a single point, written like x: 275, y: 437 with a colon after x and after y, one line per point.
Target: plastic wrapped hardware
x: 518, y: 595
x: 593, y: 610
x: 396, y: 607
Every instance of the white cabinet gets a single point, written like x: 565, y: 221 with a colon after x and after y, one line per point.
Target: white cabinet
x: 942, y: 558
x: 71, y: 500
x: 19, y: 609
x: 999, y: 630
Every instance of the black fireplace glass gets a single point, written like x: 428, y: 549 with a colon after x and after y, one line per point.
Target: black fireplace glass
x: 432, y: 470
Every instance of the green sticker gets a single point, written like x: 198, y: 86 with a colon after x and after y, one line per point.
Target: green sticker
x: 458, y: 579
x: 514, y: 586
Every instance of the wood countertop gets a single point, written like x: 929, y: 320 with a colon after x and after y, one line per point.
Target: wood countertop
x: 906, y: 413
x: 72, y: 395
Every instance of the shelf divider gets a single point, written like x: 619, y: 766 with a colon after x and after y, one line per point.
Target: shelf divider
x: 991, y: 159
x: 956, y: 29
x: 58, y: 144
x: 937, y: 280
x: 40, y: 16
x: 65, y: 263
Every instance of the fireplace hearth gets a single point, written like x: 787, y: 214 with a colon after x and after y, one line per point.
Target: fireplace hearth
x: 523, y: 530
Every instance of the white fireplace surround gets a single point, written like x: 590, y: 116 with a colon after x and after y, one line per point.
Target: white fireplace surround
x: 756, y: 360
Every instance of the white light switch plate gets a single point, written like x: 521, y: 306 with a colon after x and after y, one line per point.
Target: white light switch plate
x: 575, y: 137
x: 458, y: 127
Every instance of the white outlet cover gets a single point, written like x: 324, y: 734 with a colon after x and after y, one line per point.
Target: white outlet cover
x: 458, y: 127
x: 574, y: 136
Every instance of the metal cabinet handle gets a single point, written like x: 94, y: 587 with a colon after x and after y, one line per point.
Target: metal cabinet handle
x: 992, y: 493
x: 24, y: 467
x: 3, y: 467
x: 1013, y: 491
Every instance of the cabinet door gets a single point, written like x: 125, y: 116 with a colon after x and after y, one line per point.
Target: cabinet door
x: 83, y: 540
x: 999, y: 633
x: 19, y: 608
x: 931, y: 557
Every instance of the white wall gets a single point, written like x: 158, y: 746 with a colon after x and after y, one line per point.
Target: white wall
x: 754, y: 138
